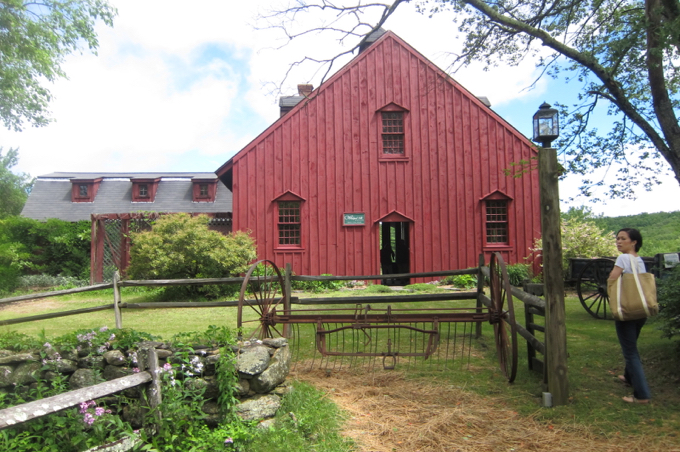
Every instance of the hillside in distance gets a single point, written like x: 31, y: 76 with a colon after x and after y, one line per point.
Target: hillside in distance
x: 660, y: 231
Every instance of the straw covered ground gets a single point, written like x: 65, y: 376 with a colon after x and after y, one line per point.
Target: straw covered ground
x: 389, y: 412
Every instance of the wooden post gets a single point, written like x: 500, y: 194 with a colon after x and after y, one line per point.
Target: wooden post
x: 553, y: 277
x: 116, y: 301
x: 480, y: 290
x: 286, y: 303
x: 153, y: 390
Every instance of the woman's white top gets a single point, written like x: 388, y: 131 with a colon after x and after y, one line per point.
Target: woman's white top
x: 624, y: 262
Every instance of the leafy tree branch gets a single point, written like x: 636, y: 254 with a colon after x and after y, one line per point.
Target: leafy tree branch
x: 35, y: 37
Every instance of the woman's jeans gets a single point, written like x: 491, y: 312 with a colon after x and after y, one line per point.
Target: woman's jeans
x: 628, y: 332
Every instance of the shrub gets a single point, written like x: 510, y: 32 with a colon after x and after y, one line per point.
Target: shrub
x: 668, y: 295
x: 180, y: 246
x: 43, y: 280
x: 317, y: 286
x: 582, y: 238
x: 461, y: 281
x: 53, y: 248
x: 518, y: 273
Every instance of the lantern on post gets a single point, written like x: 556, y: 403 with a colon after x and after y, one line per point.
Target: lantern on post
x: 546, y: 125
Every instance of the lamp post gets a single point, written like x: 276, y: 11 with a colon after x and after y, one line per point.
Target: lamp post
x: 547, y: 129
x: 546, y: 125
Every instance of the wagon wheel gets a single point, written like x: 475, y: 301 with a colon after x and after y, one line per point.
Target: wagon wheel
x: 591, y: 286
x: 262, y: 291
x: 505, y: 329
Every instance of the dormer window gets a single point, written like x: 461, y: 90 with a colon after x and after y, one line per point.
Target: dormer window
x: 144, y: 189
x: 204, y: 189
x: 84, y: 190
x: 393, y: 129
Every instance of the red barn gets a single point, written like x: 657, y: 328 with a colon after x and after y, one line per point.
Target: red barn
x: 391, y: 147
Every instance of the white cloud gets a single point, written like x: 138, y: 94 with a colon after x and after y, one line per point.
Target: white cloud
x: 182, y: 87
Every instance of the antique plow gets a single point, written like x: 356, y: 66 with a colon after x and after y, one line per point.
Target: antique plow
x: 387, y: 333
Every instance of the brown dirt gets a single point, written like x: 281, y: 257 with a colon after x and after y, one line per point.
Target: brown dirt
x: 32, y: 306
x: 387, y: 412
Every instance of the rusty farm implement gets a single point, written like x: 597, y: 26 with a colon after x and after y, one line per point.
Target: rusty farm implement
x: 363, y: 331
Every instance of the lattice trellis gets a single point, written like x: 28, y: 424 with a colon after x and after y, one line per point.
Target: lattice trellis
x: 111, y: 239
x: 111, y: 242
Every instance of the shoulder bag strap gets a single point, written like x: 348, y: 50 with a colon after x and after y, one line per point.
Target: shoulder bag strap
x: 634, y: 263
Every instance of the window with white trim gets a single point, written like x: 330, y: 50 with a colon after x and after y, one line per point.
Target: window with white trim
x: 289, y: 224
x: 497, y: 222
x: 393, y: 132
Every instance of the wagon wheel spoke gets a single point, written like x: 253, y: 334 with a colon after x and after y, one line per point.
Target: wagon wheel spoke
x: 261, y: 292
x: 505, y: 328
x: 591, y: 287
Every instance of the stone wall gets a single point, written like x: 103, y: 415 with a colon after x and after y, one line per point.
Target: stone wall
x: 262, y: 367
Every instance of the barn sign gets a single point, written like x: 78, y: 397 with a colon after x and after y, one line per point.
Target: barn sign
x: 353, y: 219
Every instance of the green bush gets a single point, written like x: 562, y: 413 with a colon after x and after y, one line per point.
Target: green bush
x: 461, y: 281
x: 43, y: 281
x: 668, y: 295
x: 583, y: 238
x: 180, y: 246
x: 53, y: 247
x: 518, y: 273
x: 317, y: 286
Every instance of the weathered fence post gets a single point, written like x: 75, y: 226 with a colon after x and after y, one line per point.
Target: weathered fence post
x: 153, y: 390
x: 286, y: 303
x: 553, y: 277
x: 480, y: 289
x: 116, y: 301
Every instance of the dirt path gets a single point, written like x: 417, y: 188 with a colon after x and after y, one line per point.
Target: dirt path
x: 390, y: 413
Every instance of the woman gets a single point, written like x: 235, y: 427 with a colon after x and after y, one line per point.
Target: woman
x: 629, y: 242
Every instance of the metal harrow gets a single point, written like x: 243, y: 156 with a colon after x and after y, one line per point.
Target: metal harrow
x: 366, y: 332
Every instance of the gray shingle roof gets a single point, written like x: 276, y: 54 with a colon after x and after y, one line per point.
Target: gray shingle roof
x: 51, y: 196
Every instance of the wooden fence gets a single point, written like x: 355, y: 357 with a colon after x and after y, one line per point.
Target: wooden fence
x: 533, y: 304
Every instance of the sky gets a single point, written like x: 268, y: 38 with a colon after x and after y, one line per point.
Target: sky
x: 177, y: 88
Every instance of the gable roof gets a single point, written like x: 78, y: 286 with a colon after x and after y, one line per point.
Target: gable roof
x: 51, y: 196
x: 481, y: 102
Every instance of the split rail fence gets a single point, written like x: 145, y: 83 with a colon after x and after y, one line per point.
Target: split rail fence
x: 534, y: 306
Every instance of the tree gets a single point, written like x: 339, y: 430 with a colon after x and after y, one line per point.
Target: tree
x: 622, y: 53
x: 181, y: 246
x: 14, y: 188
x: 35, y: 37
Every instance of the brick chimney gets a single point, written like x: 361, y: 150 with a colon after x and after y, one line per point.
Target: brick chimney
x: 287, y: 103
x: 305, y: 90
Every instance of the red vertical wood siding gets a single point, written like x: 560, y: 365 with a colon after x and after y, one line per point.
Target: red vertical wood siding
x: 327, y: 152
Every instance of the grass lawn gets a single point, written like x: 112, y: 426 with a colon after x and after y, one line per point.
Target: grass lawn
x: 594, y: 361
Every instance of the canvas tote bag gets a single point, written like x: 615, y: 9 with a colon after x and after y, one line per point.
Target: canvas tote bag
x: 632, y: 296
